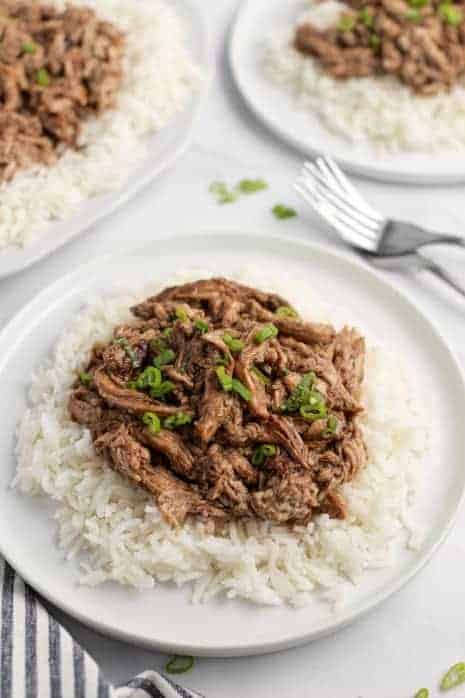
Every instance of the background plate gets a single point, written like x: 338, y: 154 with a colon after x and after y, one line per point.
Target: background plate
x: 163, y: 617
x: 163, y: 149
x: 258, y: 19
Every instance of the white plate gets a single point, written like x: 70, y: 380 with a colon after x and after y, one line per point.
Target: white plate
x: 163, y: 149
x: 258, y: 19
x: 164, y: 618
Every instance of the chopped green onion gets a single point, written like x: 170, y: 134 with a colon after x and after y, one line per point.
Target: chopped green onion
x: 453, y: 677
x: 241, y: 390
x: 177, y: 420
x: 221, y: 360
x: 224, y: 378
x: 167, y: 332
x: 331, y: 426
x: 450, y: 14
x: 267, y: 332
x: 149, y: 378
x: 222, y: 193
x: 367, y: 17
x: 152, y: 422
x: 301, y: 393
x: 28, y: 47
x: 250, y: 186
x: 167, y: 356
x: 159, y: 391
x: 374, y: 41
x: 413, y: 15
x: 179, y: 665
x: 123, y: 342
x: 311, y: 412
x: 261, y: 376
x: 286, y: 311
x: 422, y: 693
x: 263, y: 452
x: 201, y: 326
x: 181, y: 314
x: 85, y: 378
x: 283, y: 212
x: 418, y: 3
x: 42, y: 77
x: 346, y: 23
x: 234, y: 345
x: 228, y: 383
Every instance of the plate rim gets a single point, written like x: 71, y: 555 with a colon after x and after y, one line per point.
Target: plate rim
x: 390, y: 175
x: 339, y: 620
x: 14, y: 260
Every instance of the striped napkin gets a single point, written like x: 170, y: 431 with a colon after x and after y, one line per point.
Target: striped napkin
x: 39, y: 659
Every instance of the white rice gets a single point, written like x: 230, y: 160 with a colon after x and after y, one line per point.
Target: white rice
x: 116, y: 529
x: 160, y: 77
x: 373, y: 110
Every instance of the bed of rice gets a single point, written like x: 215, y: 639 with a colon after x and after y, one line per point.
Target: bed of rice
x: 373, y: 110
x: 160, y: 77
x: 116, y: 531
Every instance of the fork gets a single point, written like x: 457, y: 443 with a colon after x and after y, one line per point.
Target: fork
x: 385, y: 242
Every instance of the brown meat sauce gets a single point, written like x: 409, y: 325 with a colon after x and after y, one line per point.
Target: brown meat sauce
x: 421, y: 43
x: 57, y: 68
x: 252, y: 453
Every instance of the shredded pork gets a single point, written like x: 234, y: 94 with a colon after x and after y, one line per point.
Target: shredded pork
x: 57, y: 68
x: 421, y: 42
x: 222, y: 403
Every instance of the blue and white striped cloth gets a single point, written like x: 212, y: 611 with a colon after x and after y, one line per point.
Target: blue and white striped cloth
x: 39, y: 658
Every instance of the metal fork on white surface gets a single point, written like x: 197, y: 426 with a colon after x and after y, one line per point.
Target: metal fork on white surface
x: 386, y: 242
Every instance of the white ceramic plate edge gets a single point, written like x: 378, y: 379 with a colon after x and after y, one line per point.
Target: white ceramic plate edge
x: 13, y: 260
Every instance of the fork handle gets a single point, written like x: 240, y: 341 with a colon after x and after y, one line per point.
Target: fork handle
x: 441, y: 272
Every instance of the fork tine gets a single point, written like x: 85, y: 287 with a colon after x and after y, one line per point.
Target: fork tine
x: 331, y: 169
x: 329, y: 214
x: 346, y: 219
x: 373, y: 227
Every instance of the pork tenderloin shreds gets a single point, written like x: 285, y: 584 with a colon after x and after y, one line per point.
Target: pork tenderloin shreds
x: 266, y: 429
x: 422, y: 46
x: 58, y: 67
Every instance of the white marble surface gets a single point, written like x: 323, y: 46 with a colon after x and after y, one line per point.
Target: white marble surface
x: 413, y: 637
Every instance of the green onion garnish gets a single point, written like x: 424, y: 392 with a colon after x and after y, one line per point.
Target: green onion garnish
x: 160, y: 391
x: 85, y: 378
x: 417, y: 3
x: 331, y: 426
x: 152, y: 422
x: 313, y: 411
x: 221, y: 360
x: 413, y: 15
x: 179, y: 665
x: 228, y: 383
x: 222, y: 193
x: 123, y: 342
x: 422, y: 693
x: 167, y: 356
x: 177, y: 420
x: 346, y: 23
x: 149, y: 378
x: 286, y: 311
x: 263, y: 452
x: 282, y: 212
x: 234, y: 345
x: 374, y: 41
x: 181, y: 314
x: 167, y: 332
x: 42, y: 77
x: 453, y: 677
x: 367, y: 17
x: 261, y: 376
x: 201, y: 326
x: 267, y: 332
x: 450, y: 14
x: 28, y: 47
x: 250, y: 186
x: 301, y: 393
